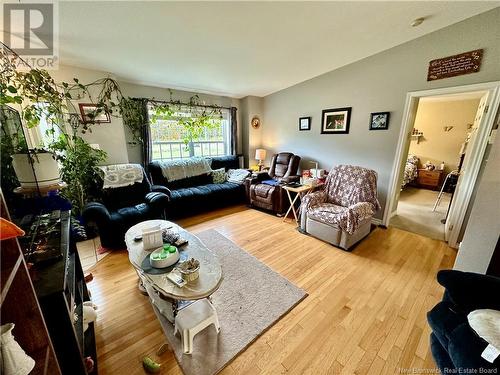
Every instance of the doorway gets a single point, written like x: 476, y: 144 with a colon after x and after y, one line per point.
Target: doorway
x: 434, y: 128
x: 441, y: 130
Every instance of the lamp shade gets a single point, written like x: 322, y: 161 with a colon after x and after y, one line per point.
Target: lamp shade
x: 260, y: 154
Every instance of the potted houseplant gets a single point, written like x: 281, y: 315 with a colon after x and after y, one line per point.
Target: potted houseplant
x: 39, y: 98
x: 36, y: 168
x: 29, y: 166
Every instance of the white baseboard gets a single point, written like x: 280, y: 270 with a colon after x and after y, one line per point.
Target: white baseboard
x: 376, y: 221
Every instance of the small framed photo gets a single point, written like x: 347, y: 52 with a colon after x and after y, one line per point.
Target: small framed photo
x: 336, y: 121
x: 379, y: 120
x: 305, y: 123
x: 91, y: 114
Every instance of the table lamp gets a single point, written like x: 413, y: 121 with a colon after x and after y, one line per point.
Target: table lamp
x: 260, y: 155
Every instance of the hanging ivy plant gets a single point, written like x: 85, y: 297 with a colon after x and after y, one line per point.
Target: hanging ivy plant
x: 134, y: 115
x: 27, y: 89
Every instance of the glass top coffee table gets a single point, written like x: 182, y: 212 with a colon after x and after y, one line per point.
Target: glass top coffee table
x: 210, y: 269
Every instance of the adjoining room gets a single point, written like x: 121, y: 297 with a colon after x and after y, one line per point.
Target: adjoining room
x: 441, y: 132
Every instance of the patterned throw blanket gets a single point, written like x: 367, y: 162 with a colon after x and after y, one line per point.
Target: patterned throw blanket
x: 119, y: 175
x: 348, y: 198
x: 411, y: 170
x: 174, y: 170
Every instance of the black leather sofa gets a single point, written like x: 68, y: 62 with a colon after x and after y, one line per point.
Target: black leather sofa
x: 121, y: 208
x: 197, y: 194
x: 455, y: 346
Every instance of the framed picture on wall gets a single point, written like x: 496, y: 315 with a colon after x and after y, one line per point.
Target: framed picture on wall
x: 91, y: 114
x: 336, y: 121
x: 305, y: 123
x: 379, y: 120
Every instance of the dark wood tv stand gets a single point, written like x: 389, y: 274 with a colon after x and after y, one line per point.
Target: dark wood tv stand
x: 61, y: 291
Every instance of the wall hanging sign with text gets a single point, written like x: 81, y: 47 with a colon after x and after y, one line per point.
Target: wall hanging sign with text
x: 457, y: 65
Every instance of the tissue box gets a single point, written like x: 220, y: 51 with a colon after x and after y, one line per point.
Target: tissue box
x: 152, y: 237
x: 310, y: 181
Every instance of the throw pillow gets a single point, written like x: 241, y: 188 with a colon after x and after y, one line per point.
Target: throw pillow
x: 219, y: 176
x: 237, y: 175
x: 486, y: 323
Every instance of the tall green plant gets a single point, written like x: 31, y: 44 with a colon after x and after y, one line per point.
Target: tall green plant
x: 79, y: 168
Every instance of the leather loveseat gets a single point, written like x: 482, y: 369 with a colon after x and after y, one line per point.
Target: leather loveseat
x: 196, y: 194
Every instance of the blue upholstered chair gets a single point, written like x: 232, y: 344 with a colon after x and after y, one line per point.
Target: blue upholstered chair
x: 122, y: 207
x: 455, y: 346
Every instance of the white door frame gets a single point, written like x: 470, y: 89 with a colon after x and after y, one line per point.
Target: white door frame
x: 412, y: 98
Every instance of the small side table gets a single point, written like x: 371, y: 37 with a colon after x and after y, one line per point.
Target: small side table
x: 299, y: 191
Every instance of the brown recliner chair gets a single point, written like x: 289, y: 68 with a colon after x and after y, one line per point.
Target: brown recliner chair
x: 264, y: 191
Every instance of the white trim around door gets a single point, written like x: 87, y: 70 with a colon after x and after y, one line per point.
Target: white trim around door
x: 459, y: 206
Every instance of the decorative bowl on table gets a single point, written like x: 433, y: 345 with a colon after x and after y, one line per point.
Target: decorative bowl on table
x: 189, y: 270
x: 164, y: 256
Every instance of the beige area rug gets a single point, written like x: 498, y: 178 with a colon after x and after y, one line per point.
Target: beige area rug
x: 415, y: 213
x: 251, y: 298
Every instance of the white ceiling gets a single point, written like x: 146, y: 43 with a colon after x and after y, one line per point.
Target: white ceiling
x: 240, y: 48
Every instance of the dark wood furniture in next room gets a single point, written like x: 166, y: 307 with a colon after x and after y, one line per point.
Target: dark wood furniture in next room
x: 430, y: 179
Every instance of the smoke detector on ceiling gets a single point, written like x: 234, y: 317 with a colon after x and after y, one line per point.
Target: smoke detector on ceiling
x: 417, y: 21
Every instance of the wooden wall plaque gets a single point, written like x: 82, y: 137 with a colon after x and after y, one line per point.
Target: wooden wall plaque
x: 456, y: 65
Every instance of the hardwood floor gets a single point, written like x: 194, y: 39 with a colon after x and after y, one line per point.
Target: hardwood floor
x: 365, y: 313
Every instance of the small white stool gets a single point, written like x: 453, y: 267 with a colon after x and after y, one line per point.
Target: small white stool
x: 193, y: 319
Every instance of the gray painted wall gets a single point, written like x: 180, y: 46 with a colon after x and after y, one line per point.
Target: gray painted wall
x: 251, y: 138
x: 377, y: 83
x: 110, y: 137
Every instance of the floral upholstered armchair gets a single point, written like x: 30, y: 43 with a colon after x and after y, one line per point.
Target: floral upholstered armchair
x: 341, y: 212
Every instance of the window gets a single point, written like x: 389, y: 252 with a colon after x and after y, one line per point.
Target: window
x: 168, y: 135
x: 45, y: 133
